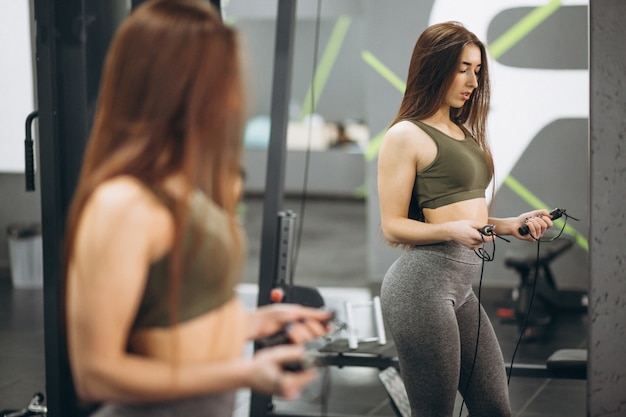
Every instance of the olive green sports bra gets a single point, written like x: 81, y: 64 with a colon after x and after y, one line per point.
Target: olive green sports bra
x: 458, y: 172
x: 209, y: 280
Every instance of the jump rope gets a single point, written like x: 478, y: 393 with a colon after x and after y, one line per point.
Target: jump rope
x: 325, y: 374
x: 489, y: 257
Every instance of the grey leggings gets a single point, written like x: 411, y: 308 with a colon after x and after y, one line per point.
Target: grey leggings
x: 432, y: 312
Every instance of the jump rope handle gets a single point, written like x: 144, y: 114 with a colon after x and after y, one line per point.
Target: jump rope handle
x: 309, y: 361
x: 555, y: 214
x: 282, y: 337
x: 487, y: 230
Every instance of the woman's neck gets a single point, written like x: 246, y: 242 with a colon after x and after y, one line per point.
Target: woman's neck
x: 441, y: 121
x: 441, y: 117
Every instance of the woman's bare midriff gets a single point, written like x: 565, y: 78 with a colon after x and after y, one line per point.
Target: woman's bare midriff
x: 215, y: 336
x: 474, y: 209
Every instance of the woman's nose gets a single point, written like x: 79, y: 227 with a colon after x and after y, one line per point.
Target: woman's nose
x: 473, y: 80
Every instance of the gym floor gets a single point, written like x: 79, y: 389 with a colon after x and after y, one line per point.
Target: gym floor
x: 334, y: 262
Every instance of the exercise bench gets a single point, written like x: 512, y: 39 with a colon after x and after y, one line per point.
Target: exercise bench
x: 538, y: 284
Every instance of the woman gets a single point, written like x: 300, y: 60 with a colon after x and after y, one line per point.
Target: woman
x: 154, y: 251
x: 433, y: 169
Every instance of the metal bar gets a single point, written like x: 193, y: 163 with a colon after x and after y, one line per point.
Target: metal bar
x: 286, y: 224
x: 70, y: 48
x: 380, y: 324
x: 279, y: 414
x: 353, y: 341
x: 52, y: 47
x: 542, y: 371
x: 340, y: 360
x: 46, y: 88
x: 29, y: 154
x: 275, y: 170
x: 260, y: 405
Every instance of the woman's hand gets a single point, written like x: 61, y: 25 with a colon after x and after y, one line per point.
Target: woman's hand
x: 269, y: 377
x: 466, y: 232
x: 300, y: 324
x: 537, y: 221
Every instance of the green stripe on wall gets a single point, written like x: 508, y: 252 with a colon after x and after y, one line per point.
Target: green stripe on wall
x: 522, y: 28
x: 535, y: 202
x: 374, y: 144
x: 326, y: 64
x: 383, y: 70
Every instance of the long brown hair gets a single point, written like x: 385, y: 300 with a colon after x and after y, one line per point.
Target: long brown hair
x: 171, y: 103
x: 434, y: 63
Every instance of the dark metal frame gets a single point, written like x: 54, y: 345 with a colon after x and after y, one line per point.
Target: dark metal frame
x: 261, y: 405
x: 72, y: 39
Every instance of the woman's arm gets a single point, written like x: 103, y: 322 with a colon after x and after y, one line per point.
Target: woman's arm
x: 538, y: 221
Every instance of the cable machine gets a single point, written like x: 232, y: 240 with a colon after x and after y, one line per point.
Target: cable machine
x: 72, y: 37
x: 261, y: 405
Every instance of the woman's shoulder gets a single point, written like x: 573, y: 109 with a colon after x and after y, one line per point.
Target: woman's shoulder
x: 124, y: 199
x: 410, y: 128
x: 407, y: 133
x: 123, y: 208
x: 121, y: 191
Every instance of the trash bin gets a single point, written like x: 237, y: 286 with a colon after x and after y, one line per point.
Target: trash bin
x: 25, y: 255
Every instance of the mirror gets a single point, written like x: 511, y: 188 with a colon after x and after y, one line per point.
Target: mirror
x: 538, y: 129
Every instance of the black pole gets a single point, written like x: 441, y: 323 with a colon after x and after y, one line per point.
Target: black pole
x: 58, y: 384
x: 72, y: 37
x: 261, y: 405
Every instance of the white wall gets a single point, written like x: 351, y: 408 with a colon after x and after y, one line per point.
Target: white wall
x: 16, y: 82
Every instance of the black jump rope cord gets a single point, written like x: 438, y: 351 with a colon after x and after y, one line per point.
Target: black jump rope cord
x: 486, y: 257
x: 532, y: 293
x: 482, y: 254
x: 325, y: 372
x: 526, y: 315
